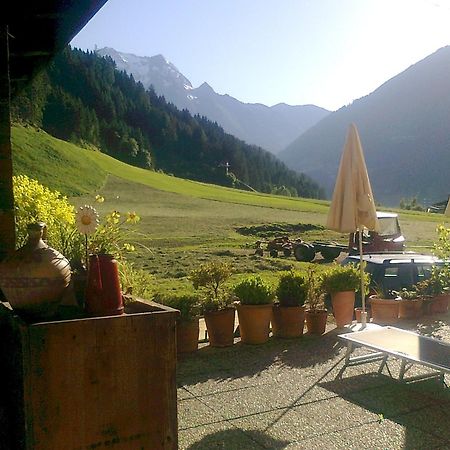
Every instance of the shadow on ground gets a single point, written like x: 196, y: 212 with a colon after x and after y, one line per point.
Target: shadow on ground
x: 242, y: 360
x: 237, y: 439
x: 418, y: 407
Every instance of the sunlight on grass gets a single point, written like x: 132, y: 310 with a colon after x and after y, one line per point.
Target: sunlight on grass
x: 54, y: 163
x: 202, y: 190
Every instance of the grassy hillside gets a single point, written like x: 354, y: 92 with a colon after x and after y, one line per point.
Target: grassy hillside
x: 184, y: 223
x: 56, y: 164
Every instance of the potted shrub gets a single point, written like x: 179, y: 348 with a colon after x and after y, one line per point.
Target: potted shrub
x: 341, y: 282
x: 254, y: 309
x: 288, y: 312
x: 316, y: 314
x: 384, y: 305
x: 410, y: 306
x: 188, y: 321
x: 440, y: 302
x: 435, y: 291
x: 217, y: 303
x: 441, y: 274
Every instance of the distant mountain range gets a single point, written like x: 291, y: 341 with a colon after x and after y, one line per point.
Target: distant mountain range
x: 272, y: 128
x: 404, y: 127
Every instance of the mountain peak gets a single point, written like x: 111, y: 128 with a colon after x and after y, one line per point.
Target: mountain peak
x: 161, y: 59
x: 205, y: 87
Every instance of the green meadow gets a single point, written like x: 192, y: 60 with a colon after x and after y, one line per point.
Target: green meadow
x: 184, y: 223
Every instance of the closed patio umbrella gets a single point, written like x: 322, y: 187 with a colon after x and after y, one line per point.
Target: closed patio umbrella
x: 447, y: 208
x: 352, y: 206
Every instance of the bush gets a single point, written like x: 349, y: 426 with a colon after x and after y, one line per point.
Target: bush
x: 254, y: 291
x: 437, y: 284
x: 187, y: 304
x: 343, y: 278
x: 36, y: 203
x: 292, y: 289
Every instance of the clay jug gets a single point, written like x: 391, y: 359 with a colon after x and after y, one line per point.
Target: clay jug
x: 103, y: 293
x: 34, y: 278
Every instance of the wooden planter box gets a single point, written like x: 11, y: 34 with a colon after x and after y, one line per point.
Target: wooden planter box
x: 104, y: 382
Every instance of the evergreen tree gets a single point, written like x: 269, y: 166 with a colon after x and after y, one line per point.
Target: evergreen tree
x: 83, y: 98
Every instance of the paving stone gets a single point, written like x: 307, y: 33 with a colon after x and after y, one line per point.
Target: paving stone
x: 194, y: 413
x: 306, y: 421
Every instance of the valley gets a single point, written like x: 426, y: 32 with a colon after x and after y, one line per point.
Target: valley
x: 185, y: 223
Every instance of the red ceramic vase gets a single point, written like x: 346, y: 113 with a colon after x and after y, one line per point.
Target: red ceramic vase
x: 103, y: 293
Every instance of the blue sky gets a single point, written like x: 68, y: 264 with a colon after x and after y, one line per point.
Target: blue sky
x: 322, y: 52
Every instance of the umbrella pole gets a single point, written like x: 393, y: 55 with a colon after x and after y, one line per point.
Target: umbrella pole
x: 361, y: 268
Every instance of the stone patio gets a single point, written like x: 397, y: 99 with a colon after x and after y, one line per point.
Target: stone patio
x: 286, y: 394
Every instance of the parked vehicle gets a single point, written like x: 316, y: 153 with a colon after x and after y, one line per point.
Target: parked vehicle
x: 388, y: 239
x: 395, y: 271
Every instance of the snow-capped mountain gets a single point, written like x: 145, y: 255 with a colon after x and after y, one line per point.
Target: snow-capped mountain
x: 272, y: 128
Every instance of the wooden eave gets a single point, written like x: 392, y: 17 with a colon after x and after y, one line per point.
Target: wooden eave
x: 38, y: 30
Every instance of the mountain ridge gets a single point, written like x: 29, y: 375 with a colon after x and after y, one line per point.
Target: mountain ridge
x: 399, y: 123
x: 268, y: 127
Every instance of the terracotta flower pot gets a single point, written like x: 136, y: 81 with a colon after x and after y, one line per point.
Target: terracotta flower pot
x: 220, y: 326
x: 288, y: 321
x: 439, y: 304
x: 254, y: 321
x: 316, y: 321
x: 343, y: 307
x: 187, y: 335
x: 358, y: 314
x: 384, y: 311
x: 410, y: 308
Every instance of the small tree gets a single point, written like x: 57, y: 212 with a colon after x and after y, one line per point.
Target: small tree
x: 411, y: 204
x: 212, y: 277
x: 315, y: 294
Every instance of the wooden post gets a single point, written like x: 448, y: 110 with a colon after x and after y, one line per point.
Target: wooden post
x: 7, y: 232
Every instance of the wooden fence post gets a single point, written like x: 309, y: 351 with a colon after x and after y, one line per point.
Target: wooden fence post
x: 7, y: 231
